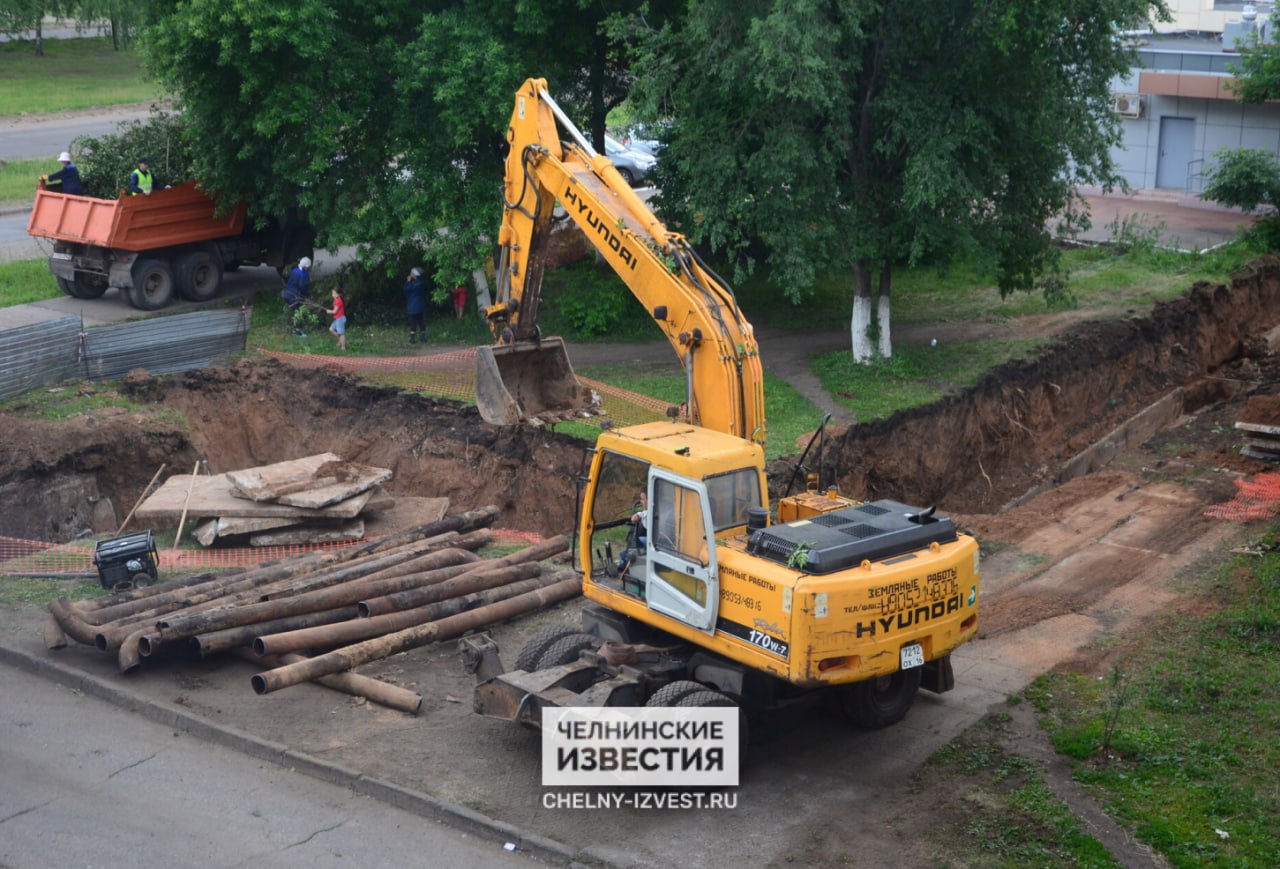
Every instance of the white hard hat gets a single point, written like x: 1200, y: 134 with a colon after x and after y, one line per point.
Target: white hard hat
x: 304, y: 263
x: 416, y: 272
x: 64, y: 157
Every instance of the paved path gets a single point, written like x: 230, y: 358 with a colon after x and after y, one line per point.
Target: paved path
x: 26, y: 137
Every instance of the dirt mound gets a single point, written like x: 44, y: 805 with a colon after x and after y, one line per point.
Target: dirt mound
x: 976, y: 451
x: 260, y: 411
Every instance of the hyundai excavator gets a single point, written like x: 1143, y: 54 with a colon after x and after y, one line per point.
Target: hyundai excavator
x: 724, y: 600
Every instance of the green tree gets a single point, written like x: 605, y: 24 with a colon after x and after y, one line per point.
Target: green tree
x: 820, y: 134
x: 383, y: 120
x: 120, y: 19
x: 22, y: 18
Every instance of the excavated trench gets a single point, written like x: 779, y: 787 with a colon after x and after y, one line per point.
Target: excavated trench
x: 971, y: 453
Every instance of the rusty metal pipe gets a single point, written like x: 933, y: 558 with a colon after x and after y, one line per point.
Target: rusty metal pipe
x: 399, y: 547
x: 329, y: 636
x: 402, y: 641
x: 471, y: 581
x: 373, y: 690
x: 231, y: 638
x: 54, y: 638
x: 321, y: 599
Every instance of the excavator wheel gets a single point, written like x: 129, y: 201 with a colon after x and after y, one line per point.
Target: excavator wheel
x: 707, y: 697
x: 673, y: 692
x: 880, y: 702
x: 529, y: 656
x: 566, y: 650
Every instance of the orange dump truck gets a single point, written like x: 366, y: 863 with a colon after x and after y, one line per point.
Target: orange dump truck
x: 150, y: 247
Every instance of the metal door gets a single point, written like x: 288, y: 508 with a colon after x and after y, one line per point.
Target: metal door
x: 682, y: 579
x: 1177, y: 137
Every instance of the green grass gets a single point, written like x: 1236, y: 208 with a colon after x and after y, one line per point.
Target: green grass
x: 1180, y: 741
x: 20, y: 591
x: 915, y: 375
x: 27, y: 280
x: 80, y: 399
x: 18, y: 179
x: 72, y: 74
x: 999, y: 812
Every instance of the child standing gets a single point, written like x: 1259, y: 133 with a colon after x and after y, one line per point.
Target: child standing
x: 339, y: 324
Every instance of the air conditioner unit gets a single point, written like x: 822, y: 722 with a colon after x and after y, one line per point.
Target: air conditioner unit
x: 1127, y: 105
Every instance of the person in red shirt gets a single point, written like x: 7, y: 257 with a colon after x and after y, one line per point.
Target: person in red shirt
x: 339, y: 324
x: 459, y: 300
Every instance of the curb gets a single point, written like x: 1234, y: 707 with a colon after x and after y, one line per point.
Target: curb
x: 408, y: 799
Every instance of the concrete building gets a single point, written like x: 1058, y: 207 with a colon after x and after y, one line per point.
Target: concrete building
x: 1177, y: 106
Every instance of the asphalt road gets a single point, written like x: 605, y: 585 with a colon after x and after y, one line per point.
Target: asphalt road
x: 87, y: 784
x: 24, y: 137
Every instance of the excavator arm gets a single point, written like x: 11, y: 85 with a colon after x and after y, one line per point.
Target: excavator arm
x: 525, y: 375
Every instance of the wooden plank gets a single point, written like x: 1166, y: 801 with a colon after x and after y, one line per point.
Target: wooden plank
x: 1259, y: 454
x: 361, y: 479
x: 269, y: 482
x: 1259, y: 428
x: 211, y: 497
x: 353, y: 530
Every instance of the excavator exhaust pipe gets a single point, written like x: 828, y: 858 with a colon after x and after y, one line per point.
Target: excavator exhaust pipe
x: 530, y: 381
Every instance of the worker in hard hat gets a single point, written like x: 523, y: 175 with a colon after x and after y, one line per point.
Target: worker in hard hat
x: 297, y: 289
x: 415, y: 304
x: 66, y: 179
x: 143, y: 180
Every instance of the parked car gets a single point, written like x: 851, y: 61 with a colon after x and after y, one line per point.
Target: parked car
x: 633, y: 166
x: 643, y: 137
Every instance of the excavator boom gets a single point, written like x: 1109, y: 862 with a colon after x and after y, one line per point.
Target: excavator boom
x: 524, y: 376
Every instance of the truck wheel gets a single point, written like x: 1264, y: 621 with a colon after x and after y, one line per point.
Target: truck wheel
x: 199, y: 276
x: 533, y: 650
x: 880, y: 702
x: 67, y: 286
x: 89, y: 287
x: 152, y: 284
x: 673, y: 692
x: 566, y: 650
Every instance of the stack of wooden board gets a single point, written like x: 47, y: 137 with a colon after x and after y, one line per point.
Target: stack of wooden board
x: 309, y: 500
x: 1260, y: 422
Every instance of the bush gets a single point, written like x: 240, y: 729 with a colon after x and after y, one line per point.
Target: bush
x: 106, y: 161
x: 595, y: 303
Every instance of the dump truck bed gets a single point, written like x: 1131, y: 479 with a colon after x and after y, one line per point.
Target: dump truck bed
x: 179, y: 215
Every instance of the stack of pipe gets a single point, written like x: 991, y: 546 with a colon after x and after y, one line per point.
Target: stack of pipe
x: 427, y: 579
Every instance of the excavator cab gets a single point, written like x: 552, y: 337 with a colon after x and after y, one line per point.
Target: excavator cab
x: 530, y: 381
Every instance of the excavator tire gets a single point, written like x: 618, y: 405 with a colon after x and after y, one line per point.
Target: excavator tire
x: 566, y: 650
x: 877, y: 703
x: 529, y: 656
x: 673, y: 692
x: 707, y: 697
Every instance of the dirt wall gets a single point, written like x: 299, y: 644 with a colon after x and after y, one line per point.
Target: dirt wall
x: 975, y: 451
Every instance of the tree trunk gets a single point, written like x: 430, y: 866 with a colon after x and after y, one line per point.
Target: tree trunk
x: 882, y: 314
x: 860, y: 325
x: 40, y: 36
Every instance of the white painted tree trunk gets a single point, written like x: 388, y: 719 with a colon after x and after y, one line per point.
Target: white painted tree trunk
x: 863, y: 351
x: 882, y: 318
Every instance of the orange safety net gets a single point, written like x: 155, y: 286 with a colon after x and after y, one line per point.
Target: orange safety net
x: 20, y: 557
x: 1258, y: 498
x: 452, y: 375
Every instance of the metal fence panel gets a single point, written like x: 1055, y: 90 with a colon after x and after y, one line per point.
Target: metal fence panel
x: 45, y: 354
x: 42, y: 354
x: 164, y: 344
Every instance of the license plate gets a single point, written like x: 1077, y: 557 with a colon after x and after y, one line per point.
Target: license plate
x: 59, y: 256
x: 912, y: 656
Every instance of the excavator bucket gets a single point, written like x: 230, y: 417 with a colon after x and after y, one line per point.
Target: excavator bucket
x: 530, y: 381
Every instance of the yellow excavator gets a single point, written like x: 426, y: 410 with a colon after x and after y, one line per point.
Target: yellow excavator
x: 699, y: 593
